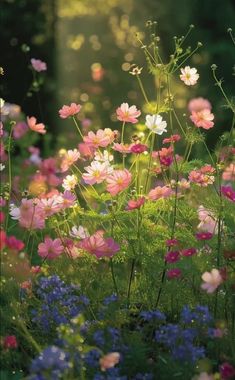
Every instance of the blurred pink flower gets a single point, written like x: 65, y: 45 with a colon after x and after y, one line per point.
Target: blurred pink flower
x: 96, y: 173
x: 38, y: 65
x: 28, y: 214
x: 228, y: 192
x: 173, y: 273
x: 109, y: 361
x: 172, y: 242
x: 135, y: 203
x: 199, y: 104
x: 211, y: 280
x: 189, y: 76
x: 19, y: 130
x: 188, y: 252
x: 14, y: 244
x: 67, y: 111
x: 160, y: 192
x: 128, y: 114
x: 208, y: 223
x: 102, y: 138
x: 10, y: 341
x: 229, y: 173
x: 227, y: 371
x: 32, y: 123
x: 118, y: 181
x: 99, y: 246
x: 171, y: 139
x: 86, y: 150
x: 50, y: 249
x: 202, y: 119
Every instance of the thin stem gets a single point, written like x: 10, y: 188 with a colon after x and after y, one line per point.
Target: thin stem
x: 142, y: 88
x: 77, y: 126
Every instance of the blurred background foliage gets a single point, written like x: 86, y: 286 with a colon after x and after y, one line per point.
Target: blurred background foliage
x: 90, y: 45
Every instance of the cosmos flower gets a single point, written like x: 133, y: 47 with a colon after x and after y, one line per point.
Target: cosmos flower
x: 128, y: 114
x: 50, y: 249
x: 212, y: 280
x: 156, y: 124
x: 109, y: 361
x: 67, y: 111
x: 202, y: 119
x: 38, y: 65
x: 32, y: 123
x: 189, y: 76
x: 118, y: 181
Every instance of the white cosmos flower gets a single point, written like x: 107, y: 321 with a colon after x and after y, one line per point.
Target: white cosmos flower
x: 69, y: 182
x: 79, y: 232
x: 156, y: 124
x: 2, y: 167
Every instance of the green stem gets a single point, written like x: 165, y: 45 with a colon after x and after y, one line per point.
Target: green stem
x: 77, y: 126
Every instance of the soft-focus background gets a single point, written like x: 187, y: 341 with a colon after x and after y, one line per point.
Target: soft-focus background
x: 89, y: 46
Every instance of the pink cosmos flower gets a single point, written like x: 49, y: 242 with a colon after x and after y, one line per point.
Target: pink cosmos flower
x: 171, y: 139
x: 50, y: 249
x: 204, y: 235
x: 96, y: 173
x: 109, y: 361
x: 99, y: 246
x: 14, y: 244
x: 172, y: 242
x: 69, y: 158
x: 202, y: 119
x: 208, y: 223
x: 86, y: 150
x: 189, y: 76
x: 135, y: 203
x: 67, y: 111
x: 10, y: 341
x: 188, y: 252
x: 38, y: 65
x: 229, y: 173
x: 28, y: 214
x: 201, y: 179
x: 118, y: 181
x: 101, y: 138
x: 228, y: 192
x: 173, y: 273
x: 19, y: 130
x: 139, y: 148
x: 160, y: 192
x: 227, y: 371
x: 199, y: 104
x: 172, y: 256
x: 211, y: 280
x: 49, y: 206
x: 128, y: 114
x: 32, y: 123
x: 122, y: 148
x: 67, y: 199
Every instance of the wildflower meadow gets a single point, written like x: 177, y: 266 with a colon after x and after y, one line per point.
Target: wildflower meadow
x: 118, y: 247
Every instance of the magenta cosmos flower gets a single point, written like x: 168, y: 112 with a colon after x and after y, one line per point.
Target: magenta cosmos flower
x: 67, y: 111
x: 50, y: 249
x: 10, y: 341
x: 172, y: 257
x: 228, y: 192
x: 139, y: 148
x: 118, y: 181
x: 173, y: 273
x: 99, y: 246
x: 128, y: 114
x: 38, y: 65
